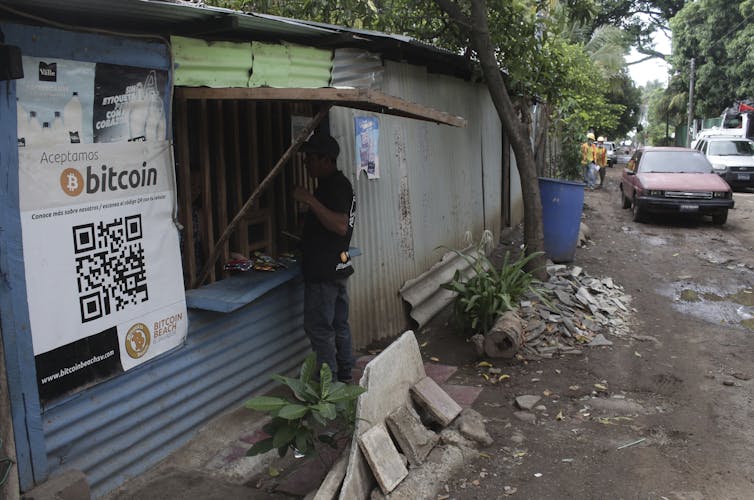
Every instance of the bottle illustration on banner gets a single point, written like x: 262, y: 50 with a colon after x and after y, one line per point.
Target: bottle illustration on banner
x: 137, y: 114
x: 146, y: 113
x: 73, y: 118
x: 23, y: 124
x: 156, y: 117
x: 47, y: 137
x: 33, y: 133
x: 58, y: 130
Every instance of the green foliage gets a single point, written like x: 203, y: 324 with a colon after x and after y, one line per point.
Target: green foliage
x: 316, y: 410
x: 490, y: 291
x: 717, y: 34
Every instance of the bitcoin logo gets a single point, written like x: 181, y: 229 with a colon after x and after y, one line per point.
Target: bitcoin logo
x: 71, y: 182
x: 137, y: 340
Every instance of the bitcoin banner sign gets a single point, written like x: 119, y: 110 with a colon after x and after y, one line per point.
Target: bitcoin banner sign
x: 96, y: 194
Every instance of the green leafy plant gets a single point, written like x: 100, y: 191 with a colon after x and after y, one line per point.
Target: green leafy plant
x: 318, y: 412
x: 489, y: 291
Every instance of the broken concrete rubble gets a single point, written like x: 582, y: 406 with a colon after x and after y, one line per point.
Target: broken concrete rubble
x: 413, y: 438
x: 391, y: 379
x: 581, y: 308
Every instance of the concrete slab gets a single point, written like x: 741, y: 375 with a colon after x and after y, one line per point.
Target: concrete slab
x: 415, y: 440
x: 388, y: 379
x: 464, y: 395
x: 435, y: 400
x: 383, y: 457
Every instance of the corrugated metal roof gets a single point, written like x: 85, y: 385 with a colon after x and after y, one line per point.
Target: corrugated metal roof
x: 158, y: 17
x: 165, y: 18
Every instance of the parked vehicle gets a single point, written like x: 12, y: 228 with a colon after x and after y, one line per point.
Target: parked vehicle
x: 623, y: 155
x: 610, y: 148
x: 674, y: 180
x: 732, y: 158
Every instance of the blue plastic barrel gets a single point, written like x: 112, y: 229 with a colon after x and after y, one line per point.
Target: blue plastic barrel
x: 562, y: 204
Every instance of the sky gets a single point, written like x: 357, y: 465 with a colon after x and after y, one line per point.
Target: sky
x: 653, y: 69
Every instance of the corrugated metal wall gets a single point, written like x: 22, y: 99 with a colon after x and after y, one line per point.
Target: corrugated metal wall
x: 437, y: 182
x: 120, y: 428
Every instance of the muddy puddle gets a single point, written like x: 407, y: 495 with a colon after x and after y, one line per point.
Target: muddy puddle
x: 730, y: 304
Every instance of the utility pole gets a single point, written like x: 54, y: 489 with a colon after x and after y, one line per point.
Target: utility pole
x: 691, y: 105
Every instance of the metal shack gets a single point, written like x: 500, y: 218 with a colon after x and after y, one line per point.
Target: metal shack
x: 145, y: 145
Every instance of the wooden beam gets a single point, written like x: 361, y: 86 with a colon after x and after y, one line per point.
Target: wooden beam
x: 365, y: 99
x: 209, y: 264
x: 205, y: 217
x: 184, y: 169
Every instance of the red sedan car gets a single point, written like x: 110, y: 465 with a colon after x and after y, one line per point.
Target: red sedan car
x: 674, y: 180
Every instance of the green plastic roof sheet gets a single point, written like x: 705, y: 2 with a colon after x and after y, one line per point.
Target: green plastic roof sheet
x: 210, y: 64
x: 199, y: 63
x: 290, y: 66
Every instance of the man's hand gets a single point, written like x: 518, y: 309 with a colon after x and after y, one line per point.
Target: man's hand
x: 302, y: 195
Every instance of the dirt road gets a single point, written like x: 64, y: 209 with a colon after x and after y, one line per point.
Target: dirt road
x: 681, y: 424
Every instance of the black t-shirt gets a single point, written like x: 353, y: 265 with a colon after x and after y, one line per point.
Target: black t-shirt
x: 326, y: 254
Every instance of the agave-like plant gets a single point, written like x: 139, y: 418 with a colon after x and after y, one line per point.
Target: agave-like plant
x: 490, y: 291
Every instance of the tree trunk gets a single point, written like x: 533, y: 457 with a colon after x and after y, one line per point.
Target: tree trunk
x: 515, y: 126
x: 517, y: 133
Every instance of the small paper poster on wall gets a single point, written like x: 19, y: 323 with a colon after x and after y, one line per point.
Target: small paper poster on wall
x: 367, y: 140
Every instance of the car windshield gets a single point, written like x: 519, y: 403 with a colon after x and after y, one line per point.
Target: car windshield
x: 731, y: 148
x: 674, y: 162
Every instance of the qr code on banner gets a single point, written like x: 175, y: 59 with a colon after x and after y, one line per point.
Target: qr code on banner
x: 109, y: 266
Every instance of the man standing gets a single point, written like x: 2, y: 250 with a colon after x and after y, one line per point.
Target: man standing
x: 588, y: 160
x: 328, y: 227
x: 601, y: 158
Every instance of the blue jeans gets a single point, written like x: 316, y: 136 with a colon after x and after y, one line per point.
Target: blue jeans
x: 590, y: 176
x: 326, y: 325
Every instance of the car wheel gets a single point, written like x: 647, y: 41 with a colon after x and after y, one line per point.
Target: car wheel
x: 721, y: 218
x: 624, y: 200
x: 638, y: 213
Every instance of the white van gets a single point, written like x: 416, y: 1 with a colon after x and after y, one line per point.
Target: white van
x: 732, y: 157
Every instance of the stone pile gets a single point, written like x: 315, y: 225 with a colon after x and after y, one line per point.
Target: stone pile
x: 580, y: 310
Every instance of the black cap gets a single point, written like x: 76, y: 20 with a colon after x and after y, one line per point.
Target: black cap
x: 323, y: 144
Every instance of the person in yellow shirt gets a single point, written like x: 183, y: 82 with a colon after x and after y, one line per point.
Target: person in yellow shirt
x: 588, y: 160
x: 601, y: 158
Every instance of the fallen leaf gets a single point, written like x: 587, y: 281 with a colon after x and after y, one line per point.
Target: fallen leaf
x: 436, y: 360
x: 600, y: 387
x: 560, y: 416
x: 273, y: 472
x: 503, y: 377
x: 574, y: 387
x: 424, y: 344
x: 484, y: 364
x: 676, y: 254
x: 546, y: 393
x: 484, y: 455
x: 486, y: 377
x: 637, y: 354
